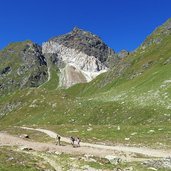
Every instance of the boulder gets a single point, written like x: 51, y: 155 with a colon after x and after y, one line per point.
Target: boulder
x: 113, y: 159
x: 24, y: 148
x: 24, y: 136
x: 123, y: 54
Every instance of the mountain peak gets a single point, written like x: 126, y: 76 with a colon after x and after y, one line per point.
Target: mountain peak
x: 76, y: 29
x: 86, y: 42
x: 81, y: 50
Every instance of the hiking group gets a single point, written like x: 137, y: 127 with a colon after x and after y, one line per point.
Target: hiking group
x: 75, y: 141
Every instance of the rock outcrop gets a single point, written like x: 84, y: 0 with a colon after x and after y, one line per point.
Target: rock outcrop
x: 22, y: 65
x: 123, y: 54
x: 78, y: 56
x: 157, y: 36
x: 80, y: 53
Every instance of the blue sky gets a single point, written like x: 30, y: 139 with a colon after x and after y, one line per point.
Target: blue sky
x: 122, y: 24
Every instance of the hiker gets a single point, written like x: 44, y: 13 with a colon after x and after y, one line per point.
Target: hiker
x: 58, y: 139
x: 72, y: 140
x: 78, y: 141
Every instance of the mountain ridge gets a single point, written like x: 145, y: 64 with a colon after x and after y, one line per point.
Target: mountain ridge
x: 73, y: 50
x: 27, y: 66
x: 136, y: 87
x: 81, y: 50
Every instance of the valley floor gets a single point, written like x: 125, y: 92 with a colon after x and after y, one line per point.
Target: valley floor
x: 119, y: 153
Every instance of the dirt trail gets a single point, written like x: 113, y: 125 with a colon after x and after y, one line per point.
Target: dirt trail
x: 9, y: 140
x: 110, y: 149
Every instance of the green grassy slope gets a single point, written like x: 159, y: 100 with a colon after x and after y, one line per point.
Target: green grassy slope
x: 53, y: 82
x: 135, y: 95
x: 11, y: 159
x: 21, y: 65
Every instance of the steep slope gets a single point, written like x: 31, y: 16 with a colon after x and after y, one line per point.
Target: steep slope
x: 81, y: 52
x: 140, y: 84
x: 21, y: 65
x: 131, y: 103
x: 153, y: 54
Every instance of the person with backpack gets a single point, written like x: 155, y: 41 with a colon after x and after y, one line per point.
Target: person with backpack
x: 78, y: 141
x: 58, y: 140
x: 72, y: 140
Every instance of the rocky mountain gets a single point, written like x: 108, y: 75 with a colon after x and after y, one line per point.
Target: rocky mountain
x: 76, y: 57
x: 135, y: 86
x: 80, y: 55
x: 21, y: 65
x: 153, y: 53
x: 128, y: 104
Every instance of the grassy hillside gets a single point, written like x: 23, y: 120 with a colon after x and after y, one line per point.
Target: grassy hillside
x: 134, y: 96
x: 21, y: 65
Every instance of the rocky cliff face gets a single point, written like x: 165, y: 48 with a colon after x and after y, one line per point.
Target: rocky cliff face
x: 80, y: 56
x: 79, y: 52
x: 86, y: 42
x: 22, y: 65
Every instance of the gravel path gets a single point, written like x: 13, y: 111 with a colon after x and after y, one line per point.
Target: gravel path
x: 10, y: 140
x: 140, y: 150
